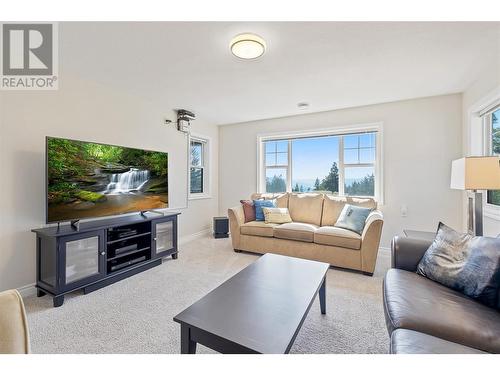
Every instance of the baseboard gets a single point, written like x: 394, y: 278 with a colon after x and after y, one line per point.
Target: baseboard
x: 27, y: 290
x: 193, y: 236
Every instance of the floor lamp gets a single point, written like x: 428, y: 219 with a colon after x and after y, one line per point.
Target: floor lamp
x: 476, y: 174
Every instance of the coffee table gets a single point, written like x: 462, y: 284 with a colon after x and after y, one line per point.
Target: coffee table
x: 258, y: 310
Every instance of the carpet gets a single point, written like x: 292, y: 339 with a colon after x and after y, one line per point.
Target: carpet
x: 135, y: 315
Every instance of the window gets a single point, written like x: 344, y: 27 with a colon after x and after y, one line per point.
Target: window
x: 343, y: 164
x: 359, y: 164
x: 276, y: 161
x: 198, y: 156
x: 492, y: 125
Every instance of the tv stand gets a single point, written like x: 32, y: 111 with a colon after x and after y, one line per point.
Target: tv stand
x: 101, y: 252
x: 143, y: 213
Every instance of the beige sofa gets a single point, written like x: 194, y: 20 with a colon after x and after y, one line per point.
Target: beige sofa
x: 14, y: 334
x: 312, y: 234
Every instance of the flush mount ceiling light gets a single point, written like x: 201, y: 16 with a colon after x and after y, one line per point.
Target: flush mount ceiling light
x: 248, y: 46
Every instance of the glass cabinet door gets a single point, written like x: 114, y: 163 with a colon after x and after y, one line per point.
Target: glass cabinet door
x: 164, y: 237
x: 82, y: 259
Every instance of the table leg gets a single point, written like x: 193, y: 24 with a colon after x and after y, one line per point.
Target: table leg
x: 188, y: 346
x: 322, y: 296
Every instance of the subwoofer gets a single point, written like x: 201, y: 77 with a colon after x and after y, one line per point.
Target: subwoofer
x: 221, y: 227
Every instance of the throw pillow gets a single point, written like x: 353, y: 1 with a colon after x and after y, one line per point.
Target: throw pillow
x: 468, y: 264
x: 353, y: 218
x: 248, y: 210
x: 259, y: 214
x: 276, y: 215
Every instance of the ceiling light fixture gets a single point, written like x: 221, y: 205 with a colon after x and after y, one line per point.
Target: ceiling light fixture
x: 248, y: 46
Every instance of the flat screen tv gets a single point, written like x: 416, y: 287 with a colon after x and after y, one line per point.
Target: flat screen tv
x: 88, y: 180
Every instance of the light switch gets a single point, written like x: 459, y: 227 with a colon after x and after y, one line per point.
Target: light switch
x: 404, y: 210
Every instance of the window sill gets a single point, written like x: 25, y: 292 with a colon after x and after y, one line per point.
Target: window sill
x: 492, y: 211
x: 194, y: 197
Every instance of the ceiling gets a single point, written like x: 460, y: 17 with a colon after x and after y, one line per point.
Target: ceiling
x: 330, y: 65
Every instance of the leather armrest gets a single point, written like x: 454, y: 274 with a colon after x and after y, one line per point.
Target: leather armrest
x: 406, y: 252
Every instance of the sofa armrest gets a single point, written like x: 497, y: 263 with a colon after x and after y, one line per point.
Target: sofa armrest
x: 14, y: 332
x: 370, y: 241
x: 406, y: 252
x: 236, y: 219
x: 371, y: 220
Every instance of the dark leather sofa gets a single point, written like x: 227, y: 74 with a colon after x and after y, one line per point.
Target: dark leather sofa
x: 424, y: 317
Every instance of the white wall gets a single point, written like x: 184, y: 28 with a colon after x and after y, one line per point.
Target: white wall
x: 484, y: 87
x: 88, y: 111
x: 421, y: 137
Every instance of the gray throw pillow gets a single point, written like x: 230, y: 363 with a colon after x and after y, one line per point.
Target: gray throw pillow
x: 353, y: 218
x: 465, y: 263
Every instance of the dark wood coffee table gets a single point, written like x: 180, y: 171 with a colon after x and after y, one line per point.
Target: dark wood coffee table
x: 258, y: 310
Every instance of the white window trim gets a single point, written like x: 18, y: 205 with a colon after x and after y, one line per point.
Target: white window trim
x: 333, y: 131
x: 490, y: 210
x: 474, y: 121
x: 207, y: 163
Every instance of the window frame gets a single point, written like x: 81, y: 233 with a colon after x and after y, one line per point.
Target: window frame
x: 336, y: 131
x: 205, y: 167
x: 478, y: 142
x: 490, y: 208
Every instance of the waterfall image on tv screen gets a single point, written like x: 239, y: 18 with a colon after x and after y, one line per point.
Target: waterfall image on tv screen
x: 87, y: 180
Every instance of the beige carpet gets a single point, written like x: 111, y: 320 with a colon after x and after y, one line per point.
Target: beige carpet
x: 135, y: 315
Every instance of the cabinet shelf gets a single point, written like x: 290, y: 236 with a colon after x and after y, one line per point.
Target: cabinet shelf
x: 128, y: 238
x: 128, y: 253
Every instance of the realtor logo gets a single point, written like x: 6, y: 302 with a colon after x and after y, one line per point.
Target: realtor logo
x: 29, y: 56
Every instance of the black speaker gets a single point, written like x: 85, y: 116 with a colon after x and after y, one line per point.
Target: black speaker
x: 221, y: 227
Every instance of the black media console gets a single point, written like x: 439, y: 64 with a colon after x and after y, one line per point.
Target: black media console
x: 101, y: 252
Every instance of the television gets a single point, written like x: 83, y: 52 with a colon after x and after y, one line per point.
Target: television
x: 89, y: 180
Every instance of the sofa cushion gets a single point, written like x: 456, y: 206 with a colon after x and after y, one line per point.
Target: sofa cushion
x: 248, y: 210
x: 468, y: 264
x: 333, y: 205
x: 353, y: 218
x: 295, y: 231
x: 405, y: 341
x: 259, y: 204
x: 413, y: 302
x: 257, y: 228
x: 337, y: 237
x: 281, y: 198
x: 276, y: 215
x: 306, y: 208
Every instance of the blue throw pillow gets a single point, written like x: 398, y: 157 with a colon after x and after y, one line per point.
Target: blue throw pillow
x: 353, y: 218
x: 258, y: 204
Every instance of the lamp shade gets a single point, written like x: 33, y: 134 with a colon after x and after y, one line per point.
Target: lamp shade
x: 476, y: 173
